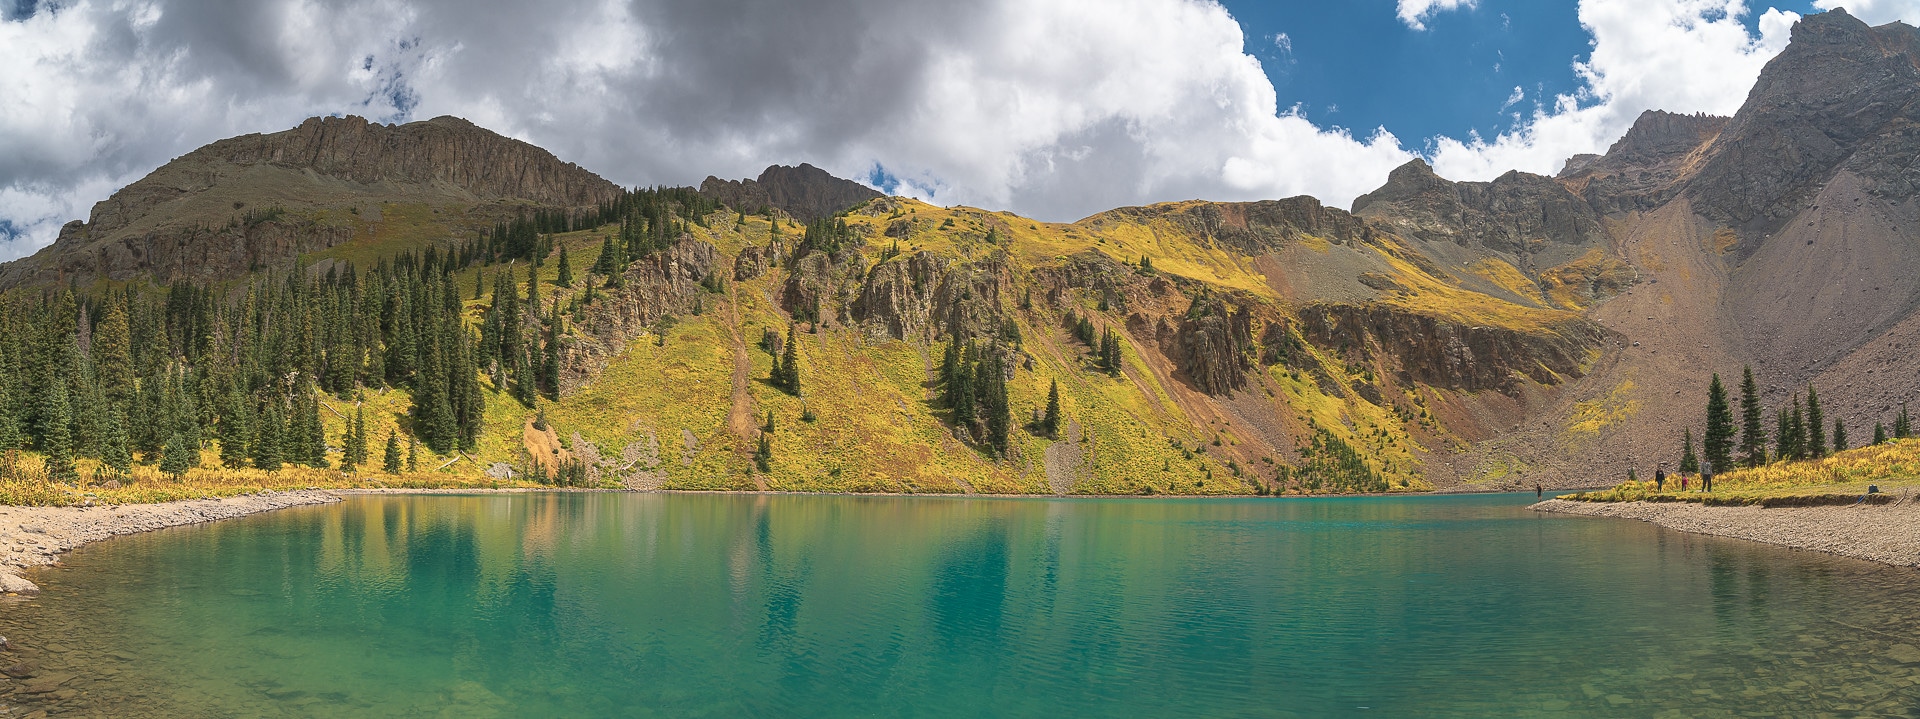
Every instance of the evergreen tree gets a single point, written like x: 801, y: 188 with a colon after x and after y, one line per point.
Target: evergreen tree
x: 1879, y: 434
x: 178, y: 456
x: 413, y: 455
x: 1753, y: 435
x: 1816, y: 438
x: 234, y: 431
x: 267, y: 431
x: 1717, y: 444
x: 392, y: 462
x: 999, y: 414
x: 114, y: 452
x: 1839, y: 435
x: 1798, y: 426
x: 960, y: 392
x: 353, y: 446
x: 790, y: 365
x: 1689, y: 462
x: 950, y: 360
x: 763, y: 454
x: 1050, y: 422
x: 1902, y: 425
x: 563, y: 275
x: 112, y: 354
x: 1783, y: 435
x: 768, y: 427
x: 9, y: 427
x: 312, y: 434
x: 56, y: 436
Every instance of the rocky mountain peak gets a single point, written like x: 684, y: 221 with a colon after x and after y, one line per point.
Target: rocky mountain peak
x: 805, y: 192
x: 1504, y: 215
x: 1842, y: 95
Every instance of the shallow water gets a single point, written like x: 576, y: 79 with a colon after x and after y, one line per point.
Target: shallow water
x: 714, y: 605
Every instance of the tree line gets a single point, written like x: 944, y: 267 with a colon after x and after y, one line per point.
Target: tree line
x: 1800, y: 430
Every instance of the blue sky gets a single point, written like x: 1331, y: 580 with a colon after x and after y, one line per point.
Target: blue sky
x: 1355, y: 64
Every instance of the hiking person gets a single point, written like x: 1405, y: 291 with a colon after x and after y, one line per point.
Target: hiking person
x: 1706, y: 476
x: 1660, y: 478
x: 1537, y: 491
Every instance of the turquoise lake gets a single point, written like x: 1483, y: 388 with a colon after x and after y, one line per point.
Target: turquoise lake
x: 644, y: 605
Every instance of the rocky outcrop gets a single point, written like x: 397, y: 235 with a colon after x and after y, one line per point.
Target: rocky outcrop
x: 1505, y: 215
x: 807, y: 193
x: 1446, y: 353
x: 822, y: 286
x: 927, y: 297
x: 1640, y: 170
x: 673, y: 281
x: 1253, y: 228
x: 1842, y: 94
x: 1213, y: 347
x: 753, y: 262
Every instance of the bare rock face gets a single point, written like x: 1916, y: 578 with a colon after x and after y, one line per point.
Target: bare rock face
x: 250, y: 201
x: 1252, y: 227
x: 929, y: 297
x: 1444, y: 353
x: 806, y: 192
x: 753, y: 262
x: 823, y: 286
x: 1842, y: 95
x: 1214, y: 347
x: 1504, y: 215
x: 666, y: 283
x: 1639, y: 171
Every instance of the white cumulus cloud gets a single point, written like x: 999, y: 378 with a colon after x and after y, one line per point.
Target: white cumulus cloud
x: 1682, y: 56
x: 1877, y: 12
x: 1416, y: 12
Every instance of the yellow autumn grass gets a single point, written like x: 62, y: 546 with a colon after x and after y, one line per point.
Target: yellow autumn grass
x: 1892, y: 467
x: 24, y: 482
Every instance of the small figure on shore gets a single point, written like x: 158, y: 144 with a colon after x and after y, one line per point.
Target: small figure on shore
x: 1706, y: 476
x: 1683, y: 481
x: 1537, y: 491
x: 1660, y: 478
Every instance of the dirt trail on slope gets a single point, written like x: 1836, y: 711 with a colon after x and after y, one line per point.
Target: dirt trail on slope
x: 740, y: 417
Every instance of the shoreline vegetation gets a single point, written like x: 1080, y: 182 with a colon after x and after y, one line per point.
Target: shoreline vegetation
x: 1862, y: 503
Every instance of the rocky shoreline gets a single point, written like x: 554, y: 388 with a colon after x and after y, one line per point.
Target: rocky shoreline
x: 37, y: 536
x: 1877, y: 533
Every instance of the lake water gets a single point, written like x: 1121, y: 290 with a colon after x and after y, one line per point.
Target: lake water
x: 618, y: 605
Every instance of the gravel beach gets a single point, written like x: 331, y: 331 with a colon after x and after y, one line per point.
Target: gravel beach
x: 1889, y: 533
x: 37, y: 536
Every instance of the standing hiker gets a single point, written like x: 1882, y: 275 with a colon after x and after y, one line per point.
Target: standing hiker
x: 1660, y: 478
x: 1706, y: 476
x: 1537, y: 491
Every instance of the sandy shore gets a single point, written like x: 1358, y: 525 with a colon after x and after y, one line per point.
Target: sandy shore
x: 37, y: 536
x: 1888, y: 534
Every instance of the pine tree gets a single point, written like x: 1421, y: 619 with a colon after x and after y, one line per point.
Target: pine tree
x: 413, y: 455
x: 268, y: 427
x: 1879, y: 434
x: 56, y: 437
x: 392, y: 463
x: 1753, y: 434
x: 1783, y: 435
x: 763, y: 453
x: 234, y: 431
x: 1050, y: 422
x: 999, y: 414
x: 1689, y: 462
x: 9, y: 428
x: 1839, y: 435
x: 114, y: 452
x: 563, y: 275
x: 1717, y: 443
x: 790, y: 365
x: 960, y: 392
x: 1902, y: 425
x: 112, y: 355
x: 178, y: 456
x: 768, y: 427
x: 950, y: 360
x: 1816, y: 444
x: 312, y: 434
x: 353, y: 446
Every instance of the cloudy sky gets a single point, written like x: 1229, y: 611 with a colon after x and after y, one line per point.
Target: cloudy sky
x: 1052, y: 108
